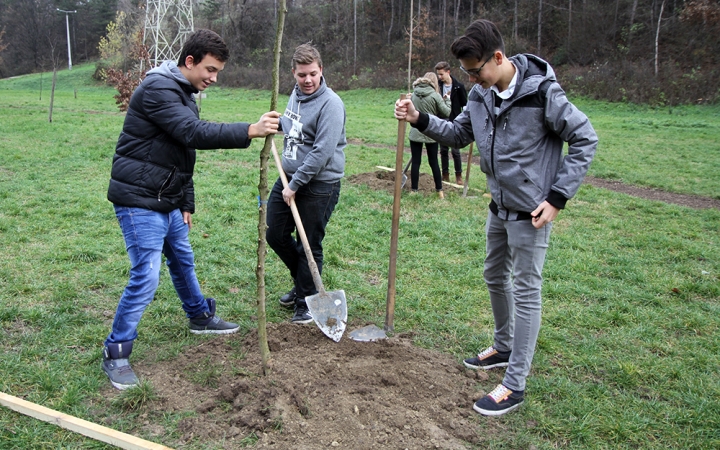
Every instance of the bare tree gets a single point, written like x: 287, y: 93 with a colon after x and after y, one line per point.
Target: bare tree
x: 392, y: 20
x: 539, y: 27
x: 355, y: 37
x: 657, y: 36
x: 515, y: 21
x: 632, y: 20
x: 263, y: 190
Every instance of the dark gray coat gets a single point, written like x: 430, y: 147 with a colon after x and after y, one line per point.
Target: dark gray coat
x: 521, y: 145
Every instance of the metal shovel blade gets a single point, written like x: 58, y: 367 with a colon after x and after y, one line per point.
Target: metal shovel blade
x: 329, y: 311
x: 369, y: 333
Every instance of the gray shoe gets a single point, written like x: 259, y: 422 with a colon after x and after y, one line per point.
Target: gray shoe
x: 117, y: 366
x: 209, y: 323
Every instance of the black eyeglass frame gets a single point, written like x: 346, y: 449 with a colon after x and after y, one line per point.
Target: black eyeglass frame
x: 476, y: 72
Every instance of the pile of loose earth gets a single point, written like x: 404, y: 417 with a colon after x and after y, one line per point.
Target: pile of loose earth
x: 319, y: 394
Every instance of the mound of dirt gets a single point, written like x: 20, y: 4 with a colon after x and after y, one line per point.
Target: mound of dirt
x: 385, y: 180
x: 319, y: 394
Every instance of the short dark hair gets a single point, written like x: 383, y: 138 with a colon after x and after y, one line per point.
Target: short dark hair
x: 202, y: 42
x: 442, y: 65
x: 306, y: 54
x: 480, y: 40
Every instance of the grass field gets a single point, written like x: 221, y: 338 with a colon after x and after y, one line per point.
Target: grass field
x: 629, y: 351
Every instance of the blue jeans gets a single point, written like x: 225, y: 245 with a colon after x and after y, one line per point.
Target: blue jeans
x: 513, y: 274
x: 315, y: 202
x: 148, y: 234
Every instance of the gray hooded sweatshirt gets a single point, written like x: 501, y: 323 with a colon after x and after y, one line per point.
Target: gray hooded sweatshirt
x: 314, y: 127
x: 521, y: 140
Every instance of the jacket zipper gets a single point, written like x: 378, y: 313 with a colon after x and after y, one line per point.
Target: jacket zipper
x: 166, y: 183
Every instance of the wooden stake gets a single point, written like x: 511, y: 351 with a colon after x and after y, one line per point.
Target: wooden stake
x: 390, y: 301
x: 467, y: 171
x: 89, y: 429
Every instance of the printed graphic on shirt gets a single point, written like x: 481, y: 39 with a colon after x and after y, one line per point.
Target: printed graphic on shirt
x: 294, y: 137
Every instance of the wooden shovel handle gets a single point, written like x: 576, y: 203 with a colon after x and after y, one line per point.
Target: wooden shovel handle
x: 298, y: 224
x: 394, y: 231
x: 467, y: 171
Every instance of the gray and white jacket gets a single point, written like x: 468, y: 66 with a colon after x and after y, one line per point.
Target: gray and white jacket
x: 314, y: 128
x: 521, y: 140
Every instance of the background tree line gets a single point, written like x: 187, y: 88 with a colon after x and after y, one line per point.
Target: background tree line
x: 656, y: 51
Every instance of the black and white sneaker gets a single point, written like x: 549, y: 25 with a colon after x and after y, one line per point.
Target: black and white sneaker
x: 288, y: 300
x: 302, y: 313
x: 209, y: 323
x: 500, y: 401
x: 488, y: 359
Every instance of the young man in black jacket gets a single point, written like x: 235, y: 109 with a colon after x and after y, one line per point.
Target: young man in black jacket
x: 451, y: 88
x: 151, y: 188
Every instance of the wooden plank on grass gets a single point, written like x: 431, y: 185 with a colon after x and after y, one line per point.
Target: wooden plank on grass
x: 89, y: 429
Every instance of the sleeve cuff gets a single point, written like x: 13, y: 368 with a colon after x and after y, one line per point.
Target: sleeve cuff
x: 556, y: 199
x: 422, y: 122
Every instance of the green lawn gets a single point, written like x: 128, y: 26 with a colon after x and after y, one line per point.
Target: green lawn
x: 629, y: 353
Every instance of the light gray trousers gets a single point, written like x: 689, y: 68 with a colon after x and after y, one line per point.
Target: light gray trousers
x: 513, y: 274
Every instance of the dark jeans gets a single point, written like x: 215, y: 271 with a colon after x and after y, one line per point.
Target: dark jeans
x: 432, y: 150
x: 315, y: 202
x: 457, y: 161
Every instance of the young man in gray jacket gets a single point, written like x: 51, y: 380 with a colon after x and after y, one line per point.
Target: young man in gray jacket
x: 520, y: 118
x: 313, y: 158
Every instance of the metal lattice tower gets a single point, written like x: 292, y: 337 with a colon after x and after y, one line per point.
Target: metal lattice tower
x: 167, y: 25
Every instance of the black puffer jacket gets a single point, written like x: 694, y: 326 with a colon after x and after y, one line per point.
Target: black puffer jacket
x: 155, y: 154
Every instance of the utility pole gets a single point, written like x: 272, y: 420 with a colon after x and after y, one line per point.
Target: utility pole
x: 67, y: 26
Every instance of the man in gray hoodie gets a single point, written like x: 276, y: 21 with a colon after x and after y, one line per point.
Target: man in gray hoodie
x: 520, y: 118
x: 152, y: 191
x: 313, y: 158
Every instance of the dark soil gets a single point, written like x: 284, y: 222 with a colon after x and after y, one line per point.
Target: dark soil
x: 386, y: 394
x: 385, y: 180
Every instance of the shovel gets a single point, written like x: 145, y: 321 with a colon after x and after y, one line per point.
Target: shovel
x: 404, y: 177
x: 328, y: 309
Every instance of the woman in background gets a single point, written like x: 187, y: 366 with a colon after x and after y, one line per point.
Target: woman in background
x: 426, y: 98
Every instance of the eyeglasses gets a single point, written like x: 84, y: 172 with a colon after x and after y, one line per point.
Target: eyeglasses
x: 476, y: 72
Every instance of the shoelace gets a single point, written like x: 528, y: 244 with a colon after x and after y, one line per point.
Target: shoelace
x: 487, y: 352
x: 500, y: 393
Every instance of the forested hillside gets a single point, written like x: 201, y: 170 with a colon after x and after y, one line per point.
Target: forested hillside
x: 655, y: 51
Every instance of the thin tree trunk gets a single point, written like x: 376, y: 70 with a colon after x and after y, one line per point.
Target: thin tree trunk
x: 569, y: 35
x: 392, y: 20
x: 539, y: 23
x: 456, y: 18
x: 632, y: 19
x: 355, y: 37
x: 657, y: 36
x: 515, y: 22
x: 52, y: 93
x: 263, y: 189
x: 410, y: 48
x: 444, y: 19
